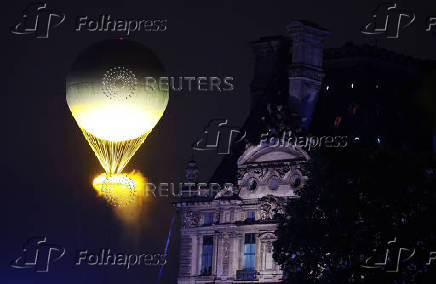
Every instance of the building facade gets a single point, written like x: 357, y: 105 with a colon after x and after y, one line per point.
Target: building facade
x: 228, y: 237
x: 362, y: 93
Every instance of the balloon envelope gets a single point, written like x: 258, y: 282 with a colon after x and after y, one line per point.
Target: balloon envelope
x: 107, y: 95
x: 107, y: 92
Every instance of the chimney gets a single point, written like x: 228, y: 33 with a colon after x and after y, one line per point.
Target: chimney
x: 268, y: 51
x: 305, y: 71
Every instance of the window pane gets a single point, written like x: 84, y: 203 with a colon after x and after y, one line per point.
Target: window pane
x: 206, y: 255
x: 250, y: 252
x: 208, y: 218
x: 251, y: 216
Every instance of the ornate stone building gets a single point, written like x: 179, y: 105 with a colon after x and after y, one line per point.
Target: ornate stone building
x: 227, y: 237
x: 360, y: 92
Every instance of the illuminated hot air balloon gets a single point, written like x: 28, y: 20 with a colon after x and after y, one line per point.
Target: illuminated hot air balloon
x: 107, y: 95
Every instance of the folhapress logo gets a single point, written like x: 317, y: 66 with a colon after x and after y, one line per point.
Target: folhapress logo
x: 389, y: 21
x: 395, y: 257
x: 219, y: 136
x: 37, y: 20
x: 37, y: 254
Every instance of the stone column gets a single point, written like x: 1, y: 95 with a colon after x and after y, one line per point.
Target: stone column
x: 219, y: 255
x: 258, y: 258
x: 226, y: 255
x: 240, y: 251
x: 193, y: 242
x: 234, y: 255
x: 197, y: 260
x: 262, y: 255
x: 215, y: 253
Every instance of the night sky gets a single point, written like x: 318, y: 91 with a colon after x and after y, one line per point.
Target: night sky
x: 46, y: 164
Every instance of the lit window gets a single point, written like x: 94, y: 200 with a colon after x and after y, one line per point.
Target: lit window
x: 208, y: 218
x: 251, y: 216
x: 378, y: 140
x: 327, y: 88
x: 352, y: 85
x: 206, y: 255
x: 354, y: 110
x: 250, y: 252
x: 337, y: 121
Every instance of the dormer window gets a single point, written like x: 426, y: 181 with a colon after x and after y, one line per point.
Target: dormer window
x: 208, y: 218
x: 252, y: 184
x: 251, y: 216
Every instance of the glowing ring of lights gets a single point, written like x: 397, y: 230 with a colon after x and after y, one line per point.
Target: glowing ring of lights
x: 118, y: 190
x: 119, y: 83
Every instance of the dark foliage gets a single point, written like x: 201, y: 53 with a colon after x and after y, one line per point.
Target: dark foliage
x: 355, y: 201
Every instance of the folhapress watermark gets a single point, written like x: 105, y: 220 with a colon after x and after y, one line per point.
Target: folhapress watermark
x: 39, y: 255
x: 395, y: 256
x: 219, y: 136
x: 107, y: 23
x: 38, y: 20
x: 305, y: 142
x: 389, y: 20
x: 105, y: 257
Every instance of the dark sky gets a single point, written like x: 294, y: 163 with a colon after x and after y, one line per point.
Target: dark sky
x: 46, y: 164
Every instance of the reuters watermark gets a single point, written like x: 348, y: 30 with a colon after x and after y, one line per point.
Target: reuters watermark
x: 187, y: 189
x: 190, y: 83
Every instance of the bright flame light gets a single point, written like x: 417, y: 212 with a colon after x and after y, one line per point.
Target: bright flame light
x: 134, y: 216
x: 117, y: 189
x: 121, y: 189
